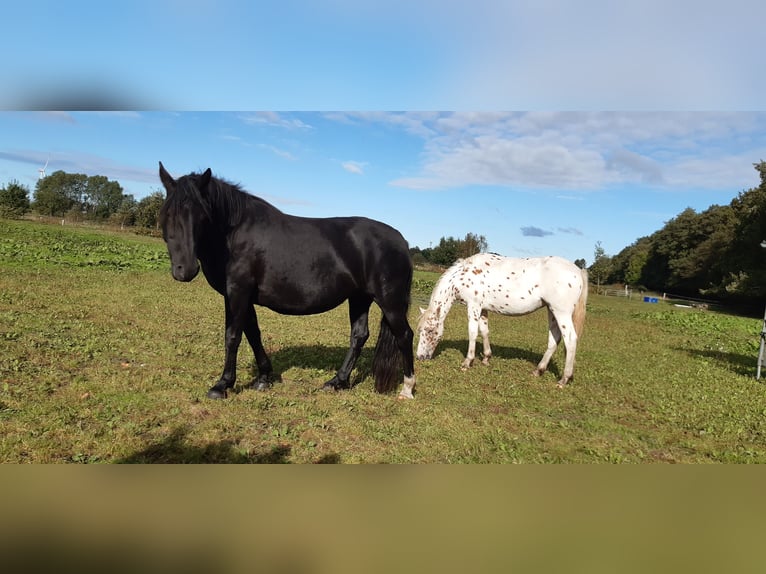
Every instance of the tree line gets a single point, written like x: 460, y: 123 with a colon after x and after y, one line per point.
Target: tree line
x: 449, y: 250
x: 716, y: 253
x: 78, y: 197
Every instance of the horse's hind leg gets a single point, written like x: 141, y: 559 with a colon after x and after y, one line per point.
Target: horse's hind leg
x: 559, y: 327
x: 484, y: 332
x: 570, y: 343
x: 262, y: 361
x: 404, y: 337
x: 358, y: 313
x: 554, y: 336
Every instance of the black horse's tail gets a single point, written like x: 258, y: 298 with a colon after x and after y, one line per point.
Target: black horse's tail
x: 387, y: 362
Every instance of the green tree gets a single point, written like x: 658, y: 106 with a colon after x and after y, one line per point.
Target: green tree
x: 471, y: 245
x: 671, y: 245
x: 126, y: 212
x: 705, y: 264
x: 60, y: 192
x: 446, y: 252
x: 744, y: 266
x: 636, y: 261
x: 102, y: 197
x: 148, y: 210
x: 716, y: 252
x: 14, y: 200
x: 450, y: 249
x: 602, y: 265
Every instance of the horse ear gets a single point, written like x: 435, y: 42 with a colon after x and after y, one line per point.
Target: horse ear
x: 204, y: 179
x: 166, y: 179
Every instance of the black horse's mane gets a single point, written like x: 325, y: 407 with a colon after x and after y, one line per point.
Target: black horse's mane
x: 223, y: 202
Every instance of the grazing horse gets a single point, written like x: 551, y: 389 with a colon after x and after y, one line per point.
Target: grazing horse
x: 254, y: 254
x: 509, y: 286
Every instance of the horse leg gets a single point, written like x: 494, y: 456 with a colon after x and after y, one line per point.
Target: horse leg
x: 473, y: 330
x: 554, y: 336
x: 236, y: 304
x: 358, y: 313
x: 570, y: 344
x: 484, y: 332
x: 253, y: 334
x: 404, y: 337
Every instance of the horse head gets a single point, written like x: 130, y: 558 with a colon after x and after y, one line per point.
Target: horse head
x: 430, y: 331
x: 183, y: 218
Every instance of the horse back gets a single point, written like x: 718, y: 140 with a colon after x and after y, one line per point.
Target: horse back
x: 516, y: 286
x: 310, y: 265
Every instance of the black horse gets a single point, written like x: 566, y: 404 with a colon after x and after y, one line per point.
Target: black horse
x: 253, y: 254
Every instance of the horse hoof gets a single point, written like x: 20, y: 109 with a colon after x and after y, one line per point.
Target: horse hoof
x: 403, y: 397
x: 335, y: 384
x: 216, y: 394
x: 263, y: 385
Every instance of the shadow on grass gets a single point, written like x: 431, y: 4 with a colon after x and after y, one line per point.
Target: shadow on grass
x: 319, y: 357
x: 501, y: 352
x: 315, y: 357
x: 745, y: 365
x: 176, y: 450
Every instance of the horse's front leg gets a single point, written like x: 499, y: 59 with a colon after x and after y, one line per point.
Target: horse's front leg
x: 474, y: 313
x: 236, y: 314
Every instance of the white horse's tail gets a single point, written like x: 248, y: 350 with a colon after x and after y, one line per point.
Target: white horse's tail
x: 578, y: 316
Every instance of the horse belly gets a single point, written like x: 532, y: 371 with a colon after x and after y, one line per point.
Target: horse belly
x: 288, y: 300
x: 509, y: 294
x: 309, y: 297
x: 513, y: 305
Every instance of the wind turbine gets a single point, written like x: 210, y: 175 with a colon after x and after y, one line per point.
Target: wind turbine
x: 42, y: 169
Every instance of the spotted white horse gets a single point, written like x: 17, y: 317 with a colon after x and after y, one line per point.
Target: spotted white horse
x: 509, y: 286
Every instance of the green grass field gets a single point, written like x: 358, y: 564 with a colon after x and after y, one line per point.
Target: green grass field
x: 104, y: 358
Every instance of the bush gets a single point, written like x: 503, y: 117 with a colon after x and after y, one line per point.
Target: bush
x: 14, y: 200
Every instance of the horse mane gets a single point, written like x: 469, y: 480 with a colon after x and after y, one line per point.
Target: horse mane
x: 223, y: 202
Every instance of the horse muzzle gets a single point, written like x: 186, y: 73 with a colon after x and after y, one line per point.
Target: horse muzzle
x: 185, y: 273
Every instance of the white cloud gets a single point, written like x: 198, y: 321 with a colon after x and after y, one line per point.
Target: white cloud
x: 631, y: 164
x: 582, y: 151
x: 415, y: 123
x: 88, y: 164
x: 274, y: 119
x: 278, y: 152
x: 232, y: 138
x: 354, y: 167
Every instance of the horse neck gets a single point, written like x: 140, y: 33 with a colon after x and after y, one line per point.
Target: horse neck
x: 443, y: 295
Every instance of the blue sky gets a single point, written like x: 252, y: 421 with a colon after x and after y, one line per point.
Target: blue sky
x: 198, y: 83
